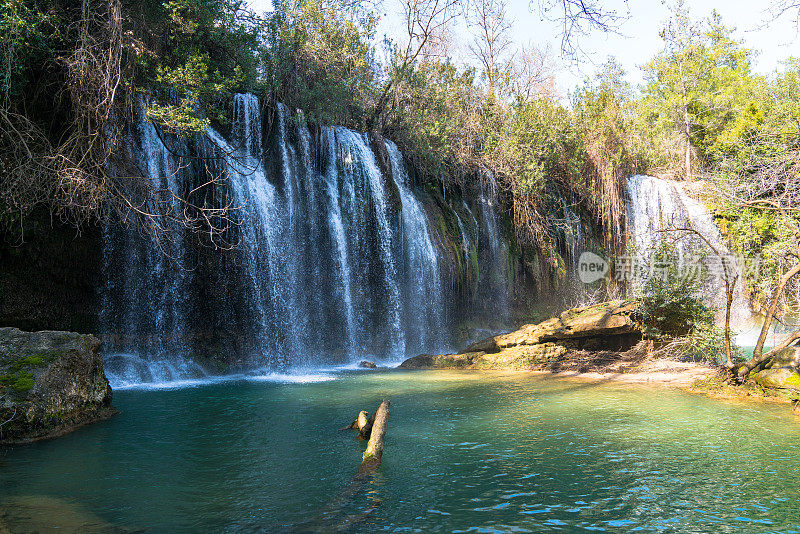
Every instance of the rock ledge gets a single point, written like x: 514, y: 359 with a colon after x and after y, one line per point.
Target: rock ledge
x: 50, y: 384
x: 579, y: 339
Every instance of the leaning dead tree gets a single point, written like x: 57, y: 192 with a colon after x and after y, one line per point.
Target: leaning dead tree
x: 372, y: 428
x: 770, y: 184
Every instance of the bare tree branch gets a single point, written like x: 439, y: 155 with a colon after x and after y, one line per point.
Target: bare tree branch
x: 491, y: 46
x: 578, y: 19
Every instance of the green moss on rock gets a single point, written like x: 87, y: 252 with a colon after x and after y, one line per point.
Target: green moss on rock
x: 50, y: 383
x: 781, y: 378
x: 20, y: 381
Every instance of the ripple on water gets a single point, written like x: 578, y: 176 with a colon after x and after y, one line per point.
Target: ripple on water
x: 465, y: 452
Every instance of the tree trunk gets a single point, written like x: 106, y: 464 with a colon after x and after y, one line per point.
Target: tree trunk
x: 773, y: 306
x: 688, y: 155
x: 371, y: 459
x: 758, y: 356
x: 687, y: 129
x: 373, y: 120
x: 729, y: 289
x: 364, y: 424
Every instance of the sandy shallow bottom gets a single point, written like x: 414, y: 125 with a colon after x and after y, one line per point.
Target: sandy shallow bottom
x: 662, y: 371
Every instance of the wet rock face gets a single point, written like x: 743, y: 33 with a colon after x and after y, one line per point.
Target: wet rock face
x: 50, y: 383
x: 602, y: 328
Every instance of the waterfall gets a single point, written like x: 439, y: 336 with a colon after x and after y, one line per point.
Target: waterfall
x: 657, y: 205
x: 144, y: 304
x: 422, y: 279
x: 570, y: 234
x: 336, y: 259
x: 339, y: 239
x: 493, y: 284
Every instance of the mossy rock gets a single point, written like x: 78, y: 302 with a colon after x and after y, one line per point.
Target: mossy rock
x: 780, y: 378
x: 603, y: 327
x: 20, y: 381
x: 50, y: 383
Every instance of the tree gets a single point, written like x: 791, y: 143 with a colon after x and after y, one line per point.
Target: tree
x: 317, y: 57
x: 530, y: 75
x: 493, y: 42
x: 604, y: 116
x: 424, y: 20
x: 779, y: 8
x: 579, y: 18
x: 759, y: 183
x: 697, y: 85
x: 75, y: 70
x: 771, y: 184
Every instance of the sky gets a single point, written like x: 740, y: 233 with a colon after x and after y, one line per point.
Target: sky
x: 638, y: 39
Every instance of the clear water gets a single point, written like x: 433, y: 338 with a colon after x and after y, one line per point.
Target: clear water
x: 465, y: 452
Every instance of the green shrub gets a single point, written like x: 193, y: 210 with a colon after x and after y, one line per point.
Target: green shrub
x: 706, y: 342
x: 667, y: 304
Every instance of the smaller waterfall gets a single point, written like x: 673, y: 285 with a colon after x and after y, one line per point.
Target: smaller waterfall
x: 571, y: 241
x: 570, y: 234
x: 425, y: 302
x: 658, y: 206
x: 339, y: 238
x: 493, y: 283
x: 385, y: 241
x: 260, y: 221
x: 465, y: 237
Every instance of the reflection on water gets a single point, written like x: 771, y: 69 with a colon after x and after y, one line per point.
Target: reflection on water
x: 465, y: 452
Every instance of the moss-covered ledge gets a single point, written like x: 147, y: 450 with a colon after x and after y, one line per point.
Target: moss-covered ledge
x: 50, y: 383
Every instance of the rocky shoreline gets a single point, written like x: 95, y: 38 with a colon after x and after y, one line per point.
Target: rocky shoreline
x: 602, y: 338
x: 51, y: 383
x: 604, y: 342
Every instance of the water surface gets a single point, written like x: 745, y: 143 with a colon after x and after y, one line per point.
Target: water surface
x: 465, y: 452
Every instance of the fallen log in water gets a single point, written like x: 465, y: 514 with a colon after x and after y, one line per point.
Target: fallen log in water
x: 371, y: 459
x: 363, y: 424
x: 333, y: 518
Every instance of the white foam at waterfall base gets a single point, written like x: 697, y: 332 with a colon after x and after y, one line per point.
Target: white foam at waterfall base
x: 291, y: 378
x: 129, y: 371
x: 125, y: 371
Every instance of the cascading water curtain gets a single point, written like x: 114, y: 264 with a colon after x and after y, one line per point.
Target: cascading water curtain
x: 335, y: 260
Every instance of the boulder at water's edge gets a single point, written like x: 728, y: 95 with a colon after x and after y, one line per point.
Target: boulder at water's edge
x: 50, y: 383
x: 599, y: 329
